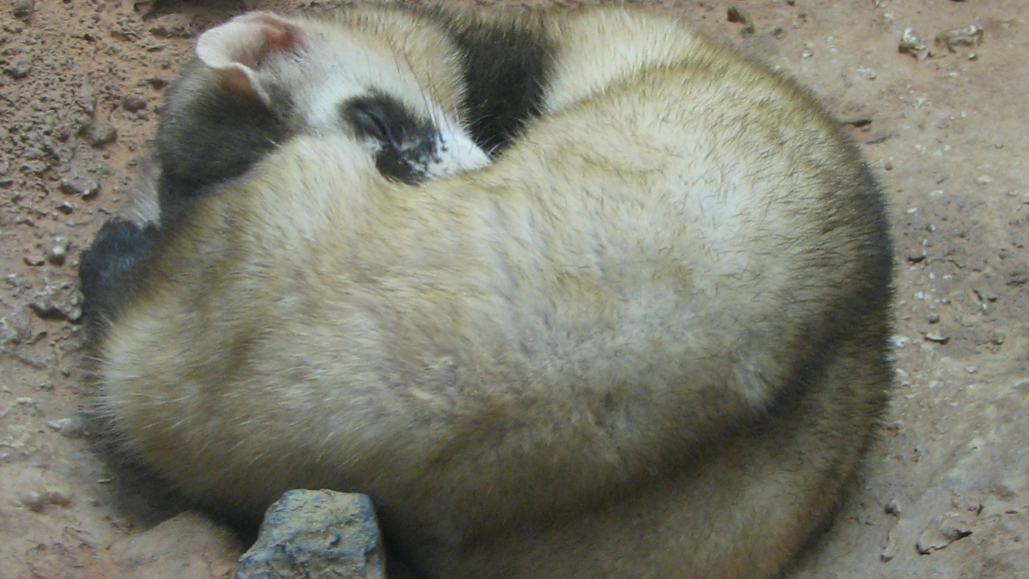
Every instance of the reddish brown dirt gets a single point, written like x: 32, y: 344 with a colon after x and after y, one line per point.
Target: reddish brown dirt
x: 80, y: 92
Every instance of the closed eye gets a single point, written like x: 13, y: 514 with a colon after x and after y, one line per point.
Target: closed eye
x: 407, y: 144
x: 370, y: 119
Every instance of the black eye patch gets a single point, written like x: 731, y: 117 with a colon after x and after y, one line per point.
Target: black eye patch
x: 408, y: 143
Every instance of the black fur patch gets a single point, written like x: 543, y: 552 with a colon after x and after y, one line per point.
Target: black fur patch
x: 506, y: 67
x: 407, y: 143
x: 207, y: 137
x: 111, y: 268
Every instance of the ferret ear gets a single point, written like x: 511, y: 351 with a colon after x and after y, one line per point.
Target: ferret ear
x: 237, y: 49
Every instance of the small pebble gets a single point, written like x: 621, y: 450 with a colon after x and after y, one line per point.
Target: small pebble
x: 18, y: 69
x: 889, y: 546
x: 911, y: 44
x: 77, y: 426
x: 79, y: 185
x: 1018, y: 277
x: 37, y: 502
x: 133, y: 103
x: 62, y: 302
x: 99, y: 134
x: 968, y: 36
x: 892, y: 507
x: 943, y: 531
x: 59, y: 251
x: 739, y: 16
x: 15, y: 328
x: 23, y: 9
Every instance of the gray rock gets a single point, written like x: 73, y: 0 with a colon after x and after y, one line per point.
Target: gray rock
x: 316, y: 535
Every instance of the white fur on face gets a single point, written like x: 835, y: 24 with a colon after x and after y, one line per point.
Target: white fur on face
x: 320, y: 67
x: 331, y: 68
x: 456, y: 153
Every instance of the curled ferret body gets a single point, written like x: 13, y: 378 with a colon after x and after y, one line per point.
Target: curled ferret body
x: 649, y: 340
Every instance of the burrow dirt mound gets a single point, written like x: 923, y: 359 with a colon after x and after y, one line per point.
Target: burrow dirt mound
x: 946, y: 493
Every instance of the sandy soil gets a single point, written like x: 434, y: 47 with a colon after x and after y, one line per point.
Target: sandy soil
x: 946, y: 493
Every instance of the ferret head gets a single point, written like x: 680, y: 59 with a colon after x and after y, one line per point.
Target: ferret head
x: 333, y: 76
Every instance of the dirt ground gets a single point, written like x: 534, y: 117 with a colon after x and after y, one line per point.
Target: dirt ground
x: 946, y: 492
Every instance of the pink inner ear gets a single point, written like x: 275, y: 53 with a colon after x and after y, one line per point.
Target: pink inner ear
x: 278, y: 34
x: 238, y: 48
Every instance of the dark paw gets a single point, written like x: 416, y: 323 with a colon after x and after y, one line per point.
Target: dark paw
x: 111, y: 268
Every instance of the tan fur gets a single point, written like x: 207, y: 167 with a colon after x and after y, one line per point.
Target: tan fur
x: 142, y: 205
x: 649, y: 341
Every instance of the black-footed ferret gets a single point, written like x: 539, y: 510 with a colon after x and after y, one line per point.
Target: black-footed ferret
x: 649, y: 340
